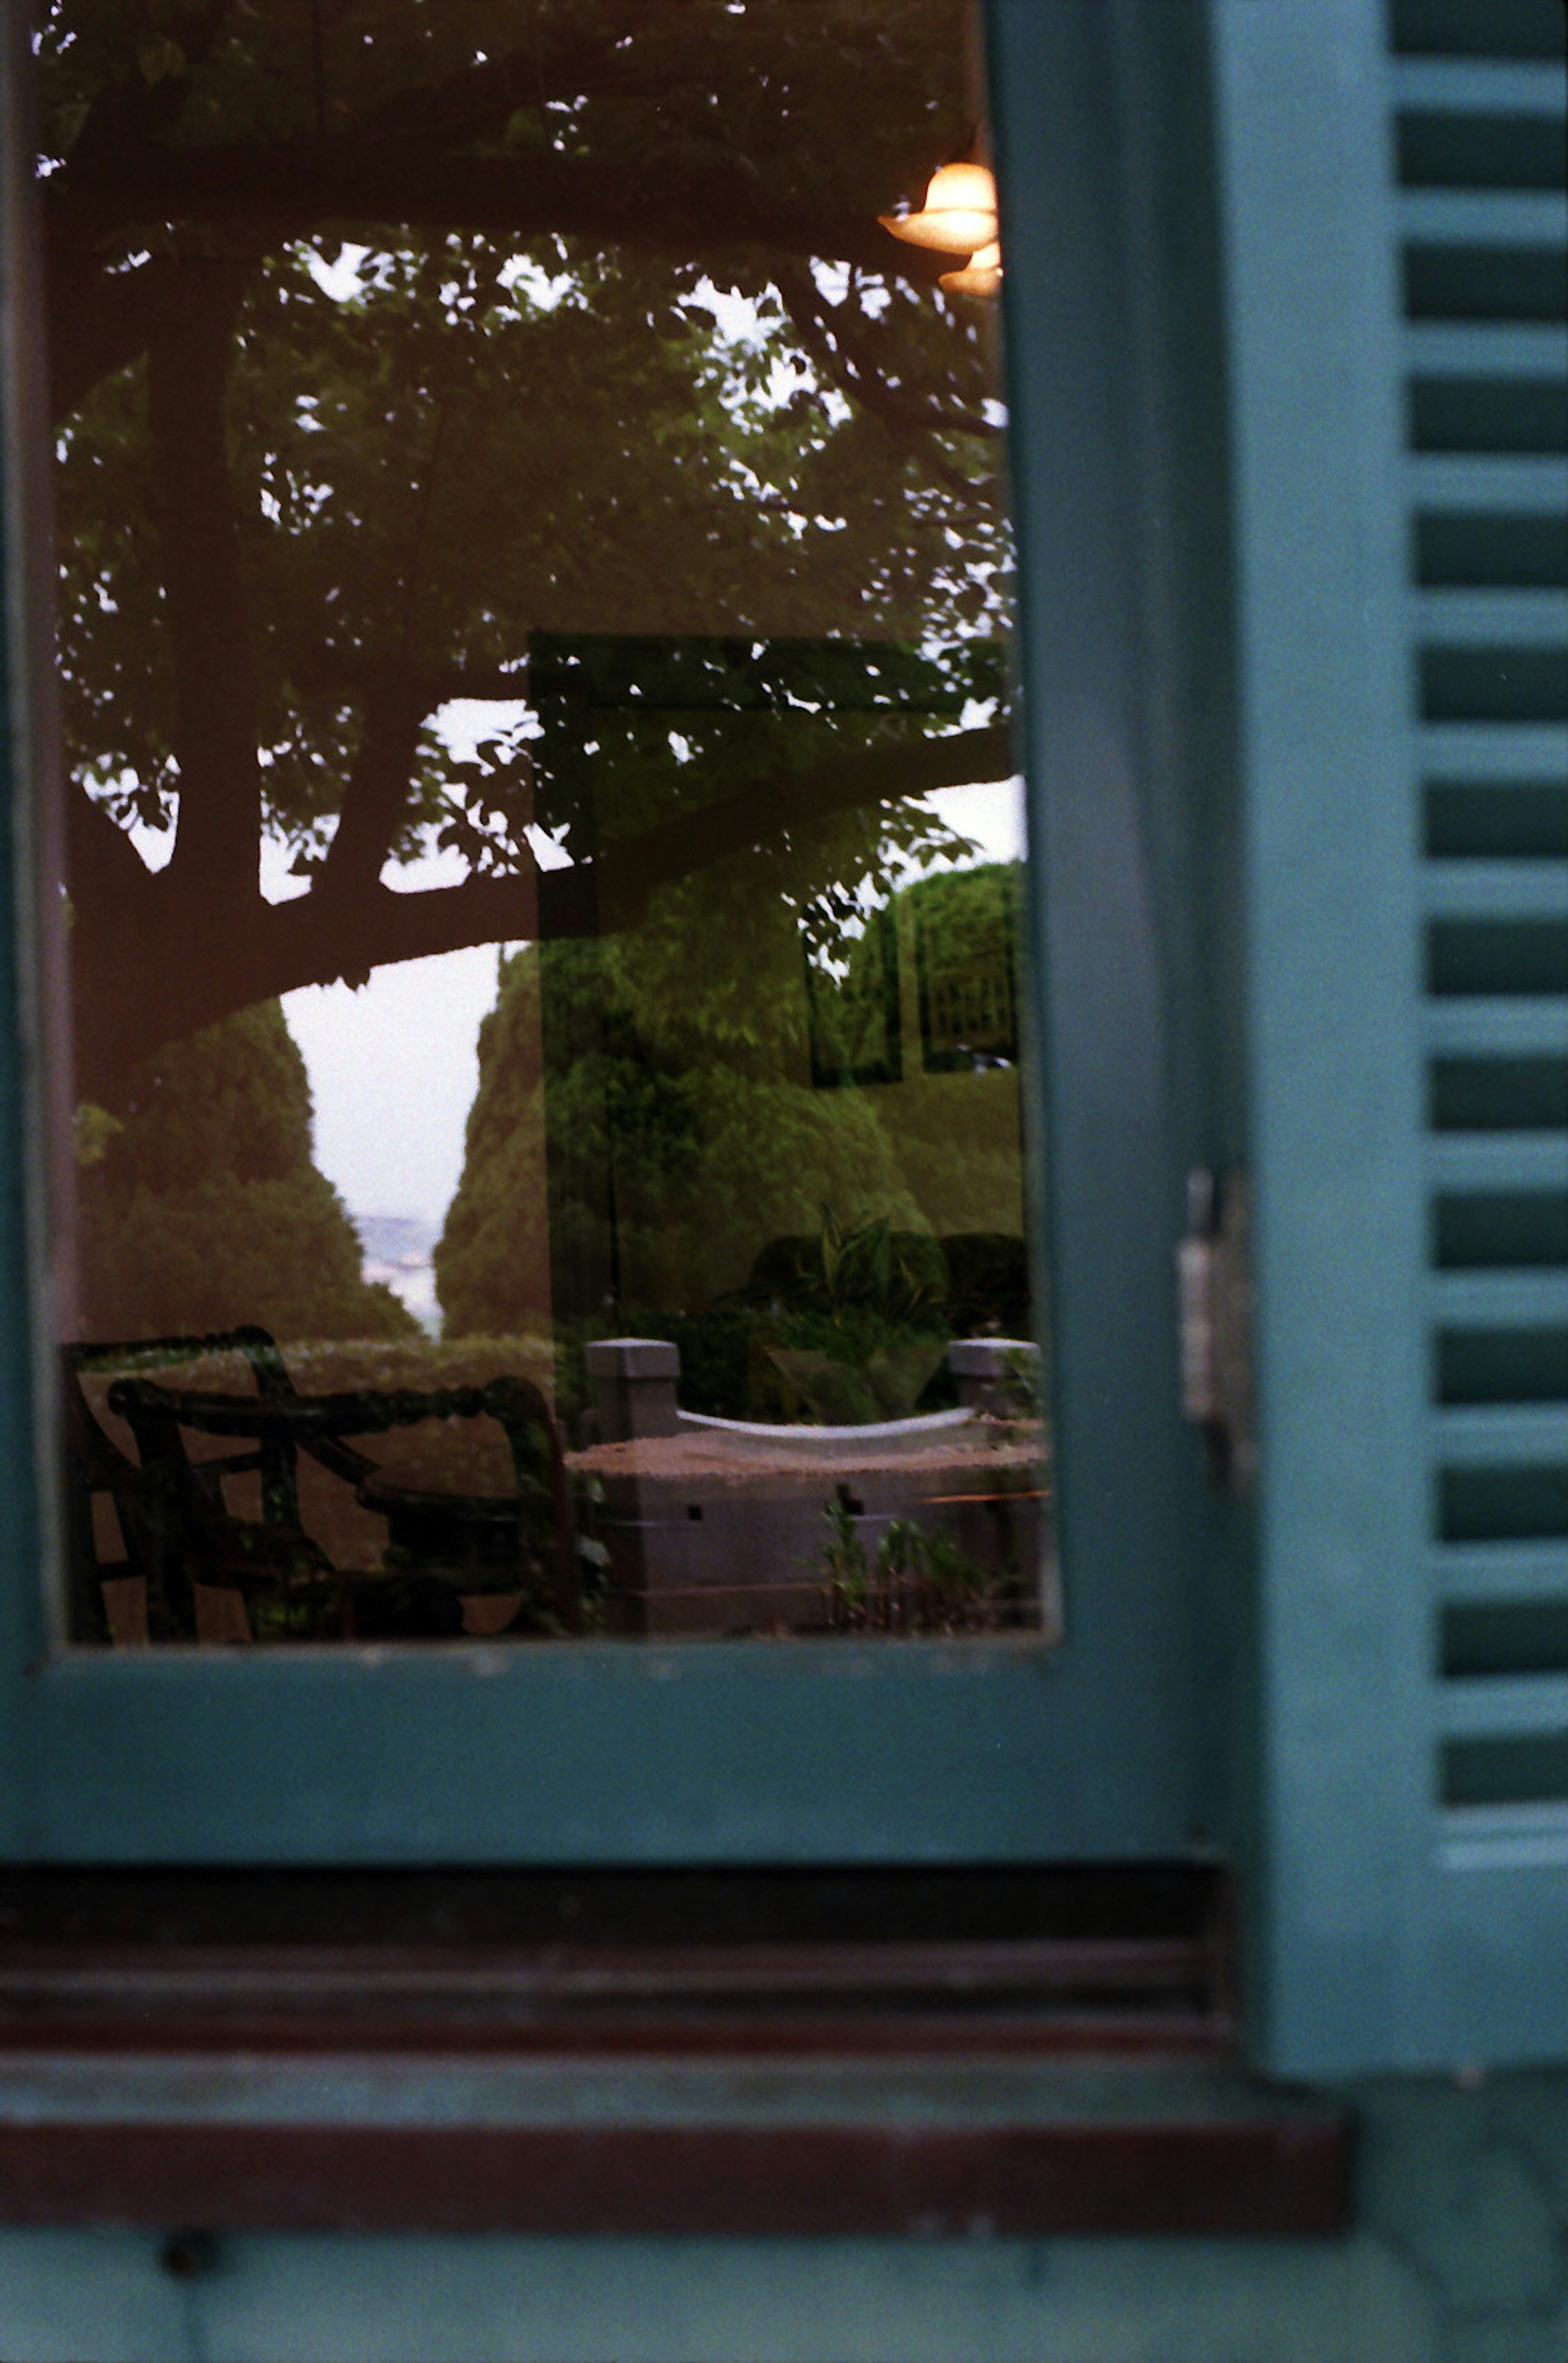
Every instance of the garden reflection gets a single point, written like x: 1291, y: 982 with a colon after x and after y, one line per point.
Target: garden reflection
x: 700, y: 497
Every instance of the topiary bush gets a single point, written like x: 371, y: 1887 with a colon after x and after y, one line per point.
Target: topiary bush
x: 199, y: 1206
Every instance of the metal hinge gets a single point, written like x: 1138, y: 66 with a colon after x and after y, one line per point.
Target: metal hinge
x: 1213, y: 1264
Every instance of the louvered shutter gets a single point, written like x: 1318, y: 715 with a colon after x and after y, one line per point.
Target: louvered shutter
x: 1395, y: 239
x: 1480, y: 128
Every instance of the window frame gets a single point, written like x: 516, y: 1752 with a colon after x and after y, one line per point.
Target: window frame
x: 906, y: 1752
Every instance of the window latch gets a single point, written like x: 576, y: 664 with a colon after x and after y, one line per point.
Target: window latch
x: 1214, y: 1265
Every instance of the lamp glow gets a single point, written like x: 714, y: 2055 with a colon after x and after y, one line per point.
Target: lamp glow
x: 980, y: 275
x: 958, y: 216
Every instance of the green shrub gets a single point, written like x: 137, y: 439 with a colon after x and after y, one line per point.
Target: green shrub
x: 199, y: 1206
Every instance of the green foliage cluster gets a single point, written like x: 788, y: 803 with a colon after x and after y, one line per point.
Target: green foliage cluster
x: 919, y: 1581
x: 526, y: 405
x: 862, y: 1316
x: 954, y: 1134
x: 954, y: 1141
x: 967, y: 914
x: 643, y: 1124
x: 200, y: 1208
x: 711, y: 1151
x: 492, y: 1260
x: 868, y: 1269
x: 855, y: 1321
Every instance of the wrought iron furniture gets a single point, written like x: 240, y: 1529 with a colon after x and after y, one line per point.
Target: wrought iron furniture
x: 444, y: 1543
x: 98, y: 1471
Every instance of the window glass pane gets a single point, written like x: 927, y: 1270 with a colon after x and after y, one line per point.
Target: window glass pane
x: 539, y: 1130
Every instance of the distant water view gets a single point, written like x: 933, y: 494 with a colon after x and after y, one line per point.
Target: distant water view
x: 397, y: 1251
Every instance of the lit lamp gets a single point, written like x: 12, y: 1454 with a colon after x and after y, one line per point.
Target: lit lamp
x: 959, y: 217
x: 980, y: 275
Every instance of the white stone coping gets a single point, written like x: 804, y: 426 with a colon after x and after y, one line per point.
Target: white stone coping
x: 826, y: 1443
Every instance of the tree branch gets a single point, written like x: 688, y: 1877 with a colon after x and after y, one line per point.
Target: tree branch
x: 103, y: 867
x: 627, y: 876
x: 100, y: 319
x: 378, y: 788
x: 131, y: 997
x: 322, y: 938
x: 846, y: 360
x: 291, y: 184
x: 434, y: 685
x: 216, y: 723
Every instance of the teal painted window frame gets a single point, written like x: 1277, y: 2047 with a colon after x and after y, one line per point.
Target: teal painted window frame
x: 907, y: 1752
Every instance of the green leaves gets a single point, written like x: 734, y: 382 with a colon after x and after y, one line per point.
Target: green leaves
x: 869, y: 1268
x: 159, y: 57
x: 202, y: 1208
x: 444, y: 440
x: 887, y: 1385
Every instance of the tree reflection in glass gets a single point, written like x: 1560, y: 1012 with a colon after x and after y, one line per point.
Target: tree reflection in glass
x: 549, y: 358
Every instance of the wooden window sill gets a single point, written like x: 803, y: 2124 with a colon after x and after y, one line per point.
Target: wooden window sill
x: 1016, y: 2054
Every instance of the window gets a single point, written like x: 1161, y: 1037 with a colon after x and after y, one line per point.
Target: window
x: 590, y: 1751
x: 574, y: 532
x: 1274, y: 781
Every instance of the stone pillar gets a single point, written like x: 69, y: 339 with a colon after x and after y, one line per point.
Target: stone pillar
x: 634, y: 1384
x: 986, y: 1367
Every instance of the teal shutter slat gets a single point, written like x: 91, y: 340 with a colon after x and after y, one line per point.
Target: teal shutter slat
x: 1511, y: 1436
x: 1505, y: 1707
x: 1500, y: 1299
x: 1499, y: 1028
x: 1469, y: 220
x: 1486, y: 618
x: 1495, y: 86
x: 1500, y: 1160
x: 1499, y: 349
x: 1525, y: 756
x: 1490, y: 1571
x: 1490, y: 1839
x: 1514, y: 890
x: 1487, y: 486
x: 1395, y: 228
x: 1485, y: 386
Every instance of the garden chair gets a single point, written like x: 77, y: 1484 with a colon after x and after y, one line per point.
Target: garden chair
x: 445, y: 1545
x: 119, y: 1595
